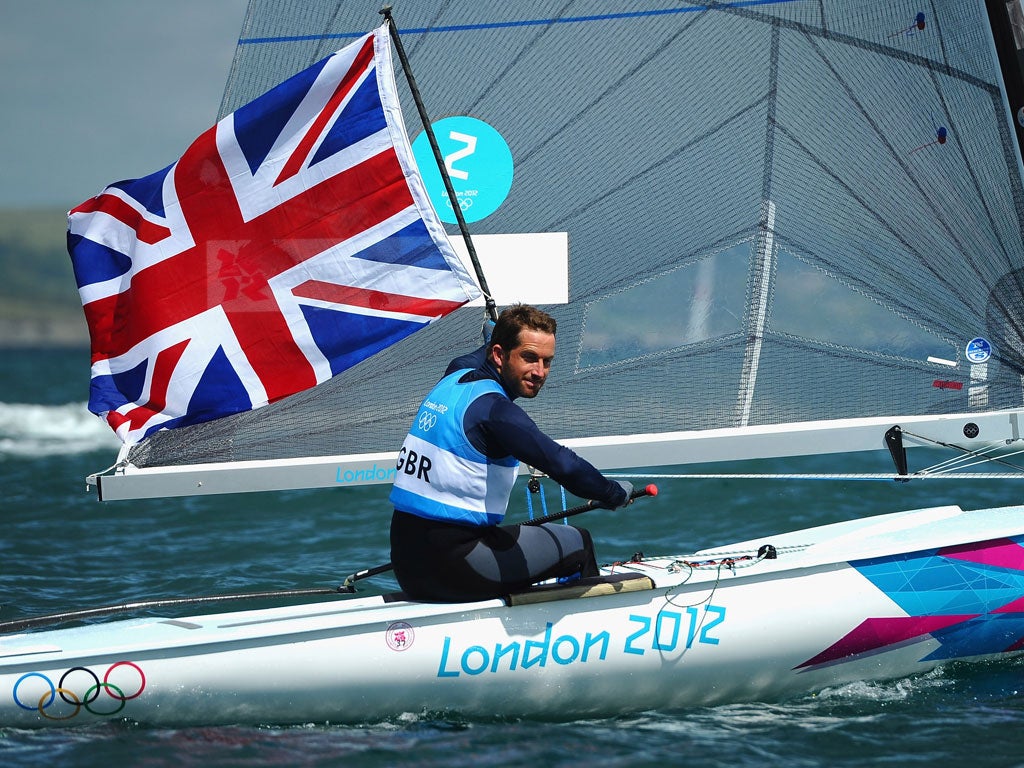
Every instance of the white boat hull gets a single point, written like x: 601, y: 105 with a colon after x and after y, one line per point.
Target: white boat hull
x: 872, y: 599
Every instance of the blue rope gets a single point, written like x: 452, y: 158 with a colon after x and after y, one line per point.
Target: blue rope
x: 543, y: 501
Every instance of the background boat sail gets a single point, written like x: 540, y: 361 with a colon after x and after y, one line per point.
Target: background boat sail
x: 799, y: 175
x: 777, y: 214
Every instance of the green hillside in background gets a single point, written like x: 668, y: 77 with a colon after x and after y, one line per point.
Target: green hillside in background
x: 39, y: 303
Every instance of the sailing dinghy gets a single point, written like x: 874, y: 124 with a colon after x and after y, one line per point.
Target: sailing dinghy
x: 765, y: 228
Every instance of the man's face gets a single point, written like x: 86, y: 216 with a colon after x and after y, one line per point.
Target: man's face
x: 525, y: 367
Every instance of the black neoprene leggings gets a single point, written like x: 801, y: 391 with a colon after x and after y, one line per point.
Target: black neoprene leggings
x: 448, y: 562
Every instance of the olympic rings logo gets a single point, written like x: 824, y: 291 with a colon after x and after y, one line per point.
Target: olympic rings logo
x: 426, y: 421
x: 464, y: 204
x: 72, y: 681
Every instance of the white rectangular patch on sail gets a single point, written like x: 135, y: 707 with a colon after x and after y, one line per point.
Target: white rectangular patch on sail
x: 529, y: 267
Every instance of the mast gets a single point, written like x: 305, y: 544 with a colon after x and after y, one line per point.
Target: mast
x: 492, y: 312
x: 1006, y: 19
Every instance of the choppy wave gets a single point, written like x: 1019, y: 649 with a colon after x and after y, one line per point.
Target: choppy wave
x: 30, y: 430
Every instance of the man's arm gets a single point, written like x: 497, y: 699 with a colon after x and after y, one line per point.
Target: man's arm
x: 498, y: 427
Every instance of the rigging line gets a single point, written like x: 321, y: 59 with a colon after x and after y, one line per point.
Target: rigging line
x: 961, y: 461
x: 827, y: 476
x: 732, y: 564
x: 954, y: 467
x: 960, y: 448
x: 953, y: 463
x: 18, y: 625
x: 705, y: 555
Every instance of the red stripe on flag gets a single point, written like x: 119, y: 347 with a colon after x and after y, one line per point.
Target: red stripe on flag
x: 166, y: 362
x: 146, y: 231
x: 363, y: 60
x: 343, y: 208
x: 378, y: 300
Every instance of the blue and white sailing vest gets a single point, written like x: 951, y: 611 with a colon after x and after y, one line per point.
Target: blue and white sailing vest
x: 441, y: 475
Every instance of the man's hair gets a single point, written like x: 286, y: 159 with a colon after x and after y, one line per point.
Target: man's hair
x: 516, y: 318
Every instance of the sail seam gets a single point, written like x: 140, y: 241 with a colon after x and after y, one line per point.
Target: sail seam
x: 762, y: 267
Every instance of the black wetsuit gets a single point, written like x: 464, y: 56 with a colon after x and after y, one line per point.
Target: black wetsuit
x: 451, y: 562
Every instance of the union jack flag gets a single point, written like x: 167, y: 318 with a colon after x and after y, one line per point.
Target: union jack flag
x: 291, y: 241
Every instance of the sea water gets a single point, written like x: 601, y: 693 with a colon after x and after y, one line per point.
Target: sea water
x: 61, y: 550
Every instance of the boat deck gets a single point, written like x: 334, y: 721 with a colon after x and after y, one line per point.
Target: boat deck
x: 593, y: 586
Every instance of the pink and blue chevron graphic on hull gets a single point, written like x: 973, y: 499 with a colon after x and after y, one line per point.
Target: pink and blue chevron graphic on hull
x: 970, y: 598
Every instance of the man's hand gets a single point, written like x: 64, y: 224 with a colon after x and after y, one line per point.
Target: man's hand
x: 628, y: 488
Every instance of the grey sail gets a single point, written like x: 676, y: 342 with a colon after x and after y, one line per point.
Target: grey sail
x: 777, y: 212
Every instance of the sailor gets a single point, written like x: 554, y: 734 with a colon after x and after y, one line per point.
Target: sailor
x: 459, y: 462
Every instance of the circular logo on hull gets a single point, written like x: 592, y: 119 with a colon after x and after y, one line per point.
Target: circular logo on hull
x: 479, y: 164
x: 399, y: 636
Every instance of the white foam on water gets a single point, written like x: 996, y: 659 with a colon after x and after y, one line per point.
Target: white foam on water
x: 31, y: 430
x: 890, y: 690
